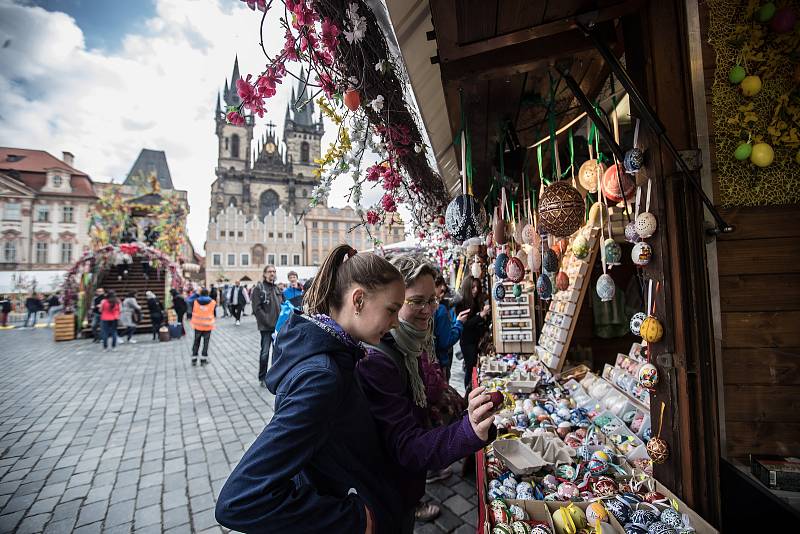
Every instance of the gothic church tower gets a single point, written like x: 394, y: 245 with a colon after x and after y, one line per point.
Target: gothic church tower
x: 301, y: 133
x: 234, y: 141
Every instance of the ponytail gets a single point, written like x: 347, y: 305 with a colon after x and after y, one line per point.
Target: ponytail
x: 342, y: 268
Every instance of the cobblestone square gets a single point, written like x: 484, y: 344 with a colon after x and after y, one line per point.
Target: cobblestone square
x: 138, y: 440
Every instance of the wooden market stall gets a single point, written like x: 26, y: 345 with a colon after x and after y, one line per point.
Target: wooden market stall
x: 728, y: 279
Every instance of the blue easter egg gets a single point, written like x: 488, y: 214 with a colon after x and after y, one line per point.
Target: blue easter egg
x: 634, y: 159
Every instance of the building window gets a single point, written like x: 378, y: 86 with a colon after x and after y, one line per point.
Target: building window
x: 217, y: 259
x: 296, y: 259
x: 304, y: 152
x: 268, y: 202
x: 271, y: 235
x: 227, y: 143
x: 239, y: 234
x: 10, y: 252
x: 231, y: 259
x: 11, y: 211
x: 57, y: 182
x: 42, y: 213
x: 280, y: 235
x: 222, y: 233
x: 315, y: 259
x: 314, y: 224
x: 67, y: 214
x: 230, y: 233
x: 234, y: 146
x: 289, y: 235
x: 271, y: 259
x: 305, y: 193
x: 41, y: 252
x: 245, y: 260
x: 66, y: 252
x: 284, y: 259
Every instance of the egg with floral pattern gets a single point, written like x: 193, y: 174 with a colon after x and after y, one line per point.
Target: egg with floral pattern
x: 660, y: 528
x: 544, y: 287
x: 631, y: 236
x: 580, y: 247
x: 612, y: 252
x: 671, y: 517
x: 550, y: 261
x: 605, y: 287
x: 636, y: 322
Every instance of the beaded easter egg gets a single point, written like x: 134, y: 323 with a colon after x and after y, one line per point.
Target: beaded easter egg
x: 500, y: 264
x: 567, y: 491
x: 612, y: 251
x: 641, y: 253
x: 634, y: 159
x: 465, y: 218
x: 590, y: 173
x: 619, y: 509
x: 671, y: 517
x: 631, y: 236
x: 651, y: 330
x: 605, y: 288
x: 550, y: 483
x: 648, y: 376
x: 596, y: 512
x: 499, y: 292
x: 561, y: 209
x: 562, y: 281
x: 659, y: 527
x: 502, y: 528
x: 646, y: 224
x: 597, y: 466
x: 636, y: 322
x: 605, y: 486
x: 658, y: 449
x: 515, y: 270
x: 550, y: 261
x: 611, y: 181
x: 580, y: 247
x: 566, y: 471
x: 544, y: 287
x: 520, y: 527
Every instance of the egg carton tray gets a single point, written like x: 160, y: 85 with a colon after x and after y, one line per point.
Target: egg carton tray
x: 549, y: 447
x: 518, y: 457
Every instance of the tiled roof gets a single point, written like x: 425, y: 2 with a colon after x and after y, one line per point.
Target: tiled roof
x: 151, y: 161
x: 30, y: 167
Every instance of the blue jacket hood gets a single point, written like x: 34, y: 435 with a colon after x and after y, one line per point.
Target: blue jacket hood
x: 204, y: 299
x: 299, y: 340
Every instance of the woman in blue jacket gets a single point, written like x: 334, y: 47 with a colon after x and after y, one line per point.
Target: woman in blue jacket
x: 319, y: 465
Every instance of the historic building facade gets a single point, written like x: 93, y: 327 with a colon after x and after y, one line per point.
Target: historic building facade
x: 260, y: 213
x: 45, y: 204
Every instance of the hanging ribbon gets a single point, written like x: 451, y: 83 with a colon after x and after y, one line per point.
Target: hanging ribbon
x: 462, y: 138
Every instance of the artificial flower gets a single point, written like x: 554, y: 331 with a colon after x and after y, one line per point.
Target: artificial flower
x: 235, y: 118
x: 358, y: 25
x: 373, y: 217
x: 377, y: 104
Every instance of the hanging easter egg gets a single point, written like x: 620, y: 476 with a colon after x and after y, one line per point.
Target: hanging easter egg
x: 631, y: 236
x: 612, y: 252
x: 465, y: 218
x: 515, y: 270
x: 490, y: 239
x: 651, y: 330
x: 765, y: 12
x: 646, y: 224
x: 743, y: 151
x: 500, y: 264
x: 595, y: 212
x: 516, y: 289
x: 634, y: 159
x: 528, y: 233
x: 597, y: 466
x: 580, y: 247
x: 596, y: 512
x: 641, y: 253
x: 736, y: 74
x: 535, y: 261
x: 658, y: 450
x: 605, y: 288
x: 561, y: 209
x: 499, y: 226
x: 352, y: 99
x: 636, y: 322
x: 648, y: 376
x: 590, y: 174
x: 783, y: 21
x: 544, y: 287
x: 476, y: 269
x: 550, y: 261
x: 562, y: 281
x: 611, y: 181
x: 762, y: 155
x: 751, y: 85
x: 522, y: 256
x: 499, y: 292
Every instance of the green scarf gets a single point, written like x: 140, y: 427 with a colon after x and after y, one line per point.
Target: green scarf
x: 412, y: 342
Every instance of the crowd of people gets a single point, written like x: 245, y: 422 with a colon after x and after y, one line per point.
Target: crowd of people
x: 35, y: 305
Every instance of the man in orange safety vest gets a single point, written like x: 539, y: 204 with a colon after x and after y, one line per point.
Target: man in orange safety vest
x: 203, y: 324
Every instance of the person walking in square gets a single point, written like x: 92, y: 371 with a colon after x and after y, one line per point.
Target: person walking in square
x: 156, y: 312
x: 294, y: 289
x: 109, y: 315
x: 267, y: 301
x: 129, y: 317
x: 34, y: 305
x: 236, y: 301
x: 203, y: 324
x: 54, y: 306
x: 99, y: 296
x: 179, y: 305
x: 5, y: 309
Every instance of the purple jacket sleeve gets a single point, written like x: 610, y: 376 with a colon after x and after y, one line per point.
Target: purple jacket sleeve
x: 411, y: 446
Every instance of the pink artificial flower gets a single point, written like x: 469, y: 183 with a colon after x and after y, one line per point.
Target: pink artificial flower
x: 330, y: 35
x: 260, y: 4
x: 391, y: 179
x: 373, y: 217
x: 303, y: 14
x: 374, y: 173
x: 235, y: 118
x: 290, y: 47
x: 327, y: 85
x: 388, y: 203
x: 246, y: 91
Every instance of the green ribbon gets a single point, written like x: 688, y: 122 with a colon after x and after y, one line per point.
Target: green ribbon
x: 464, y: 128
x: 551, y: 124
x: 542, y: 179
x: 571, y: 155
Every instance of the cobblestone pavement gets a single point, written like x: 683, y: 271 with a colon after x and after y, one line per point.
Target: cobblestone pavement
x: 138, y: 440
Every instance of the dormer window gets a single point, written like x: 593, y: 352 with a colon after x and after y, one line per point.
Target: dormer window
x: 57, y: 181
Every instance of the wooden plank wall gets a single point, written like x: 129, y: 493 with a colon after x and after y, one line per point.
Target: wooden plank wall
x: 759, y: 281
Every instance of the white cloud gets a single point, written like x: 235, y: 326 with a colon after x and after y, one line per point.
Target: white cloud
x: 157, y: 91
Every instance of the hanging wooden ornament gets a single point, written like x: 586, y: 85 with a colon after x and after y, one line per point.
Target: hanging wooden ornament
x: 464, y: 217
x: 641, y: 254
x: 634, y: 158
x: 658, y: 448
x: 580, y: 247
x: 499, y: 291
x: 515, y: 270
x: 562, y: 281
x: 561, y: 209
x: 646, y: 223
x: 612, y: 252
x: 544, y: 287
x: 500, y: 265
x: 611, y: 181
x: 636, y: 322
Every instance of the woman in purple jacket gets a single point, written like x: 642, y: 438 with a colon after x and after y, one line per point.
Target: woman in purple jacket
x: 391, y: 376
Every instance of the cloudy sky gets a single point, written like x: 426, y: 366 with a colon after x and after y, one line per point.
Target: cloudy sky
x: 104, y: 79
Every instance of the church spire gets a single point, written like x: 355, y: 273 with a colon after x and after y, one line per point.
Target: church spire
x: 231, y: 94
x: 219, y: 106
x: 235, y: 76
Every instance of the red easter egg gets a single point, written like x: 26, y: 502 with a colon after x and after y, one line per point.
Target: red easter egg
x: 611, y: 184
x: 562, y: 281
x: 352, y: 99
x: 497, y: 399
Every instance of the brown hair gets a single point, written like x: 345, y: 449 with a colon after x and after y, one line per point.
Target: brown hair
x: 342, y: 268
x: 475, y: 305
x: 413, y: 267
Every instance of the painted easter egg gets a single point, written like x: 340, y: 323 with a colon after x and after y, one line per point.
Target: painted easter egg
x: 651, y: 330
x: 641, y: 254
x: 605, y: 288
x: 646, y: 224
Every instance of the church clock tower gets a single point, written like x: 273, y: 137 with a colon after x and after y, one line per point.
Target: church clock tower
x: 234, y: 141
x: 301, y: 133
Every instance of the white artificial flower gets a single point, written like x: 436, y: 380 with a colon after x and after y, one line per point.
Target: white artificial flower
x: 358, y: 25
x: 382, y: 66
x: 418, y: 148
x: 377, y: 104
x: 353, y: 81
